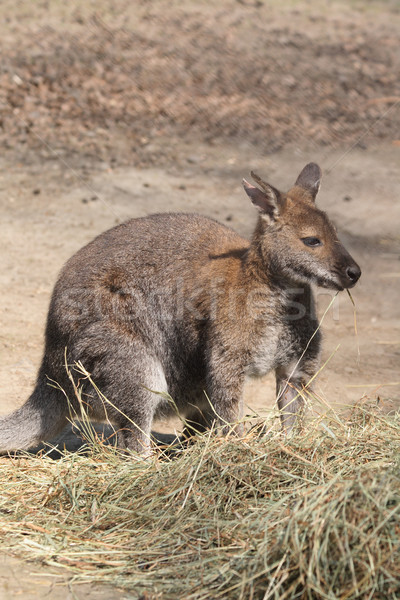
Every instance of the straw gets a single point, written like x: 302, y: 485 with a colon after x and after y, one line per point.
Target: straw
x: 264, y: 517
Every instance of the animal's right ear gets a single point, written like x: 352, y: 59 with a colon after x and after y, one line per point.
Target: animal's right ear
x: 310, y: 179
x: 265, y: 200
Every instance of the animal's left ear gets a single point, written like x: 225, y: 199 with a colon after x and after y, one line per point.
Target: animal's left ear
x: 310, y: 179
x: 265, y: 200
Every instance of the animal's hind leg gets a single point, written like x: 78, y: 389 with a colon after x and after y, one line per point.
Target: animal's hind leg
x: 134, y: 417
x: 134, y: 433
x: 130, y: 387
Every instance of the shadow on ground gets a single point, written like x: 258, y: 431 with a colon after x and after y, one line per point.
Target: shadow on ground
x: 78, y: 437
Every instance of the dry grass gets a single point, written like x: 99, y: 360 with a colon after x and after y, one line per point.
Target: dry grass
x: 315, y: 516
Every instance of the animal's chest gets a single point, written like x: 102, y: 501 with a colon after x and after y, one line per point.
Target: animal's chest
x: 273, y: 346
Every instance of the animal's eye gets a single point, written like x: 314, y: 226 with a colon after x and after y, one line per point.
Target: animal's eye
x: 312, y: 242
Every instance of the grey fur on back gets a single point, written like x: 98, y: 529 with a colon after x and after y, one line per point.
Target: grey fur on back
x: 179, y: 303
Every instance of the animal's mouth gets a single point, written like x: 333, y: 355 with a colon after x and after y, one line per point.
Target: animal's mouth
x: 342, y: 279
x: 330, y: 284
x: 328, y: 279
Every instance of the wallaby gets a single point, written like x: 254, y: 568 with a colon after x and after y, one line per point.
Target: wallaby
x: 179, y: 303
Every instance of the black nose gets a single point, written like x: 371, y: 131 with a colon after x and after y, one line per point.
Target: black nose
x: 353, y: 274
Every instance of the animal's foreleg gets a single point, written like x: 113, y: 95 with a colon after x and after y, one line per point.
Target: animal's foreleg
x: 290, y: 393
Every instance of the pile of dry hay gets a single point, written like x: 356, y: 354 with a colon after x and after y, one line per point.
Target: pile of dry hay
x: 315, y: 516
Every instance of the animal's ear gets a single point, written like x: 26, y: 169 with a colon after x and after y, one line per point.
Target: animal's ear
x: 310, y: 179
x: 265, y: 200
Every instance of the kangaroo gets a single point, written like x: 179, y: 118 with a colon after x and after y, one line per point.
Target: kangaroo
x: 179, y: 303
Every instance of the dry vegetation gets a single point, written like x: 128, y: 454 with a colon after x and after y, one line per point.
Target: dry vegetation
x: 264, y: 517
x: 110, y: 87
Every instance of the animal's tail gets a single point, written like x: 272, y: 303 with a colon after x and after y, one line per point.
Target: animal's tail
x: 41, y: 418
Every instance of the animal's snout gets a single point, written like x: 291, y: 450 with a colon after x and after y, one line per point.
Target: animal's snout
x: 353, y: 273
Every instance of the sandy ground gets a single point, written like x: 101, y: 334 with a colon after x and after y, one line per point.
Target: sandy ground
x: 32, y: 582
x: 73, y: 164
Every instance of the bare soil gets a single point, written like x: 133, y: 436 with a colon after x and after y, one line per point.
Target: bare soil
x: 113, y: 109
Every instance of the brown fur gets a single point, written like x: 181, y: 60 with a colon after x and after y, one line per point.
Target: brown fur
x: 181, y: 304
